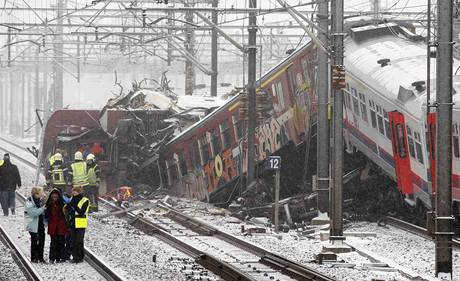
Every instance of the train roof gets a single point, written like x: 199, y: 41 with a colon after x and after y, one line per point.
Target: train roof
x: 235, y: 97
x: 393, y: 64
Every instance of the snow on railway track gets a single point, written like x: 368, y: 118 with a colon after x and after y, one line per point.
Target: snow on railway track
x: 212, y: 249
x: 15, y: 266
x: 134, y: 255
x: 14, y: 224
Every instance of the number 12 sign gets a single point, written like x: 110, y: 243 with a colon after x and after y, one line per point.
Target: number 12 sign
x: 273, y: 163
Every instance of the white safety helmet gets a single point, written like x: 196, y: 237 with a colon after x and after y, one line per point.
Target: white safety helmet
x: 58, y: 157
x: 90, y: 157
x: 78, y: 156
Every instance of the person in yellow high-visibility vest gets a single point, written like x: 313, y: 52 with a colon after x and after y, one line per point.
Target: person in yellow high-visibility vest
x: 78, y: 174
x: 92, y: 190
x: 57, y: 173
x: 79, y: 208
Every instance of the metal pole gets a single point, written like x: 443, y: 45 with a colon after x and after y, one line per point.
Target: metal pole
x: 37, y: 93
x: 21, y: 106
x: 9, y: 46
x: 252, y: 69
x: 336, y: 232
x: 277, y: 199
x: 189, y: 47
x: 214, y: 45
x: 323, y: 147
x: 11, y: 102
x: 444, y: 218
x: 58, y: 62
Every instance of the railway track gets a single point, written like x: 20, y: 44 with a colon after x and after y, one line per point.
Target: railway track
x: 415, y: 229
x: 91, y: 258
x: 23, y: 262
x: 15, y: 154
x: 100, y: 266
x: 227, y: 256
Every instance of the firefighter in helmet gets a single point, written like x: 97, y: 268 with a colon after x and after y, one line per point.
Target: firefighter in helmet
x: 92, y: 190
x: 78, y: 175
x: 57, y: 173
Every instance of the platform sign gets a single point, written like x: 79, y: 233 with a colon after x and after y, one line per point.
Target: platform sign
x: 273, y: 163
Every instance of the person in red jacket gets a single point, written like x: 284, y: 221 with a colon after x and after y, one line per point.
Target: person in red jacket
x: 57, y: 227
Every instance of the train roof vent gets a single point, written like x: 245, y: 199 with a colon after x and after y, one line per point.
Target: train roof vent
x: 405, y: 94
x: 419, y: 86
x: 374, y: 30
x: 383, y: 62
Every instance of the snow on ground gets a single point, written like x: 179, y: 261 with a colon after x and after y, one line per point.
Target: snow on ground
x: 131, y: 252
x: 50, y: 272
x: 9, y: 269
x: 408, y: 250
x: 409, y: 253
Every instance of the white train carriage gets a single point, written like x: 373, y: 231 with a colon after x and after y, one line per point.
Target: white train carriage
x: 385, y: 96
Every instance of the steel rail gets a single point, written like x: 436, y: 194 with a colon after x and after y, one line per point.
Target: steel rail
x: 278, y: 262
x: 19, y: 257
x: 95, y: 262
x: 415, y: 229
x: 19, y: 157
x: 221, y: 268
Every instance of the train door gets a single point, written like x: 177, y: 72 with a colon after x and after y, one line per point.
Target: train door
x: 432, y: 148
x: 400, y: 152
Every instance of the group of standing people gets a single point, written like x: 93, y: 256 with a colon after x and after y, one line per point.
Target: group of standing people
x: 65, y: 210
x: 66, y: 219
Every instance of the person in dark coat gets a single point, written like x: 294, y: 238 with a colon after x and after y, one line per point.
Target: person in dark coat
x: 57, y: 227
x: 10, y: 180
x: 79, y: 208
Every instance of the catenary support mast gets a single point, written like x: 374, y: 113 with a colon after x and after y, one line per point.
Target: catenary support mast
x: 252, y: 69
x: 323, y: 142
x: 444, y: 218
x: 337, y: 94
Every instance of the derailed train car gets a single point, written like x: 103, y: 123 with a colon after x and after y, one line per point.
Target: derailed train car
x: 209, y: 158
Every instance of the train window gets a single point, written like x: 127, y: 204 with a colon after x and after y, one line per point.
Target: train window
x: 182, y: 163
x: 347, y: 99
x: 418, y: 147
x: 204, y: 149
x: 410, y: 140
x: 402, y: 150
x: 380, y: 123
x: 362, y: 99
x: 238, y: 126
x: 225, y: 135
x: 173, y: 173
x: 415, y: 144
x: 215, y: 141
x: 387, y: 124
x: 195, y: 154
x: 373, y: 118
x: 356, y: 106
x: 278, y: 92
x: 353, y: 91
x: 455, y: 144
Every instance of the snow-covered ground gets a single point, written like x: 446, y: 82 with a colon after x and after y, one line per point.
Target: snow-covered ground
x: 9, y: 270
x: 63, y: 271
x: 132, y: 253
x: 408, y: 256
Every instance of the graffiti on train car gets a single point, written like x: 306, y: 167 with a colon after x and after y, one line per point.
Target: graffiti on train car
x: 272, y: 135
x: 220, y: 170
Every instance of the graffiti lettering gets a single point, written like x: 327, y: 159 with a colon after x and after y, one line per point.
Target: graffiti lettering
x: 220, y: 170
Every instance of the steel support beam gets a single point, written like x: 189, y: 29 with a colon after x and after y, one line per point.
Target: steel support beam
x: 444, y: 218
x: 214, y: 48
x: 336, y: 231
x: 323, y: 141
x: 251, y: 87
